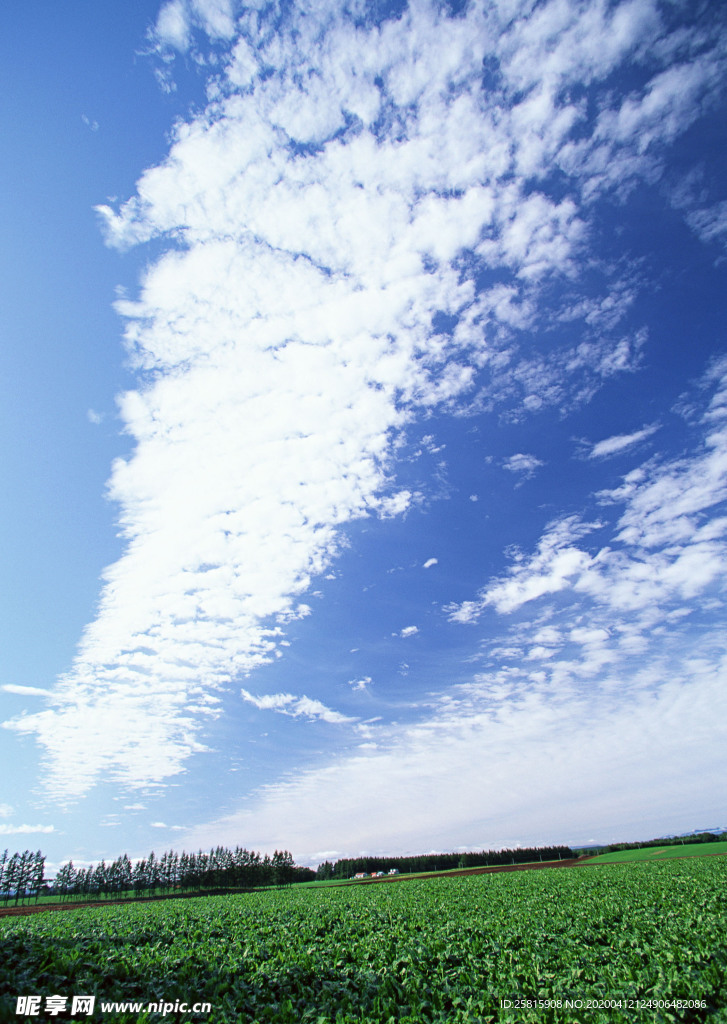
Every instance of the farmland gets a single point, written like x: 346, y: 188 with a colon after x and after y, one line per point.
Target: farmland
x: 432, y: 950
x: 662, y: 853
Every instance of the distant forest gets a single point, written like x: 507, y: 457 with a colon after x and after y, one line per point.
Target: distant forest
x: 350, y: 866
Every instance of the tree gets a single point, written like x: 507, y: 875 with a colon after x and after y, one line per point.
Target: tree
x: 283, y: 867
x: 100, y: 880
x: 139, y: 878
x: 266, y: 870
x: 38, y: 873
x: 3, y: 884
x: 324, y: 871
x: 125, y: 873
x: 23, y: 875
x: 65, y: 877
x: 152, y: 872
x: 12, y: 871
x: 186, y: 870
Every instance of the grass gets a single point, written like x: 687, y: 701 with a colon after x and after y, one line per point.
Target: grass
x: 661, y: 853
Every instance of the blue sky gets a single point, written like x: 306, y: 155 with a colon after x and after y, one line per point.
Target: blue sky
x: 364, y: 405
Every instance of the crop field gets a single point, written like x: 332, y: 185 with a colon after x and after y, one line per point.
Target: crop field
x: 626, y: 942
x: 662, y: 853
x: 439, y: 873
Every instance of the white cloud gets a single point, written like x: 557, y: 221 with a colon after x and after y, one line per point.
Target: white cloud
x: 620, y: 442
x: 564, y: 43
x: 668, y: 546
x: 704, y: 213
x: 26, y: 691
x: 317, y: 216
x: 395, y: 504
x: 409, y: 631
x: 521, y: 463
x: 593, y: 629
x: 178, y: 18
x: 630, y: 766
x: 430, y: 562
x: 5, y: 810
x: 296, y: 707
x: 710, y: 222
x: 216, y: 17
x: 548, y: 635
x: 630, y: 134
x: 360, y: 684
x: 19, y: 830
x: 172, y: 25
x: 605, y: 702
x: 554, y: 566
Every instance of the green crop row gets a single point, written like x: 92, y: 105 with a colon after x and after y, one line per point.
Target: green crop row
x: 454, y: 950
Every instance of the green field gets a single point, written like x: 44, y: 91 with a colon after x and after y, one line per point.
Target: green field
x: 444, y: 950
x: 661, y: 853
x: 426, y: 874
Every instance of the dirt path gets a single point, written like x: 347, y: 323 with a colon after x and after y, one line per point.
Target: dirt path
x: 39, y: 908
x: 486, y: 870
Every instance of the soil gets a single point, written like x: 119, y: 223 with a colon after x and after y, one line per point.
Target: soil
x: 39, y: 908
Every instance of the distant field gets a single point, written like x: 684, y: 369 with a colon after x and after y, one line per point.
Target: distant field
x: 626, y: 944
x: 434, y: 873
x: 661, y: 853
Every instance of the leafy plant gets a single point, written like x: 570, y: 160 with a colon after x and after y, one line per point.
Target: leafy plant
x: 457, y: 950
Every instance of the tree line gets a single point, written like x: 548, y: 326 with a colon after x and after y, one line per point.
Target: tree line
x: 350, y: 866
x: 220, y: 869
x: 21, y: 876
